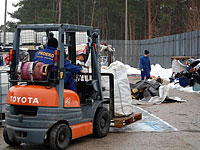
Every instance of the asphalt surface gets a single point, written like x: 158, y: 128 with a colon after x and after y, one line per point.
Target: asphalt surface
x: 183, y: 116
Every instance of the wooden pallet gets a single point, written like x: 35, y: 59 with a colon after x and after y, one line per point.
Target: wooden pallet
x: 120, y: 122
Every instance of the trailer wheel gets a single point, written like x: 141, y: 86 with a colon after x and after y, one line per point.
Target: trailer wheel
x: 7, y: 140
x: 101, y: 122
x: 60, y: 136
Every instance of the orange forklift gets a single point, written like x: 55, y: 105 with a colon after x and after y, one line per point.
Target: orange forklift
x: 40, y: 110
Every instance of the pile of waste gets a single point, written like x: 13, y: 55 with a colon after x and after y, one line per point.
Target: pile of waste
x: 188, y: 77
x: 107, y: 54
x: 82, y: 52
x: 151, y: 92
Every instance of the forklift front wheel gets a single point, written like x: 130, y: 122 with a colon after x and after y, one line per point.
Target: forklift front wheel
x: 60, y: 136
x: 7, y: 140
x: 101, y: 122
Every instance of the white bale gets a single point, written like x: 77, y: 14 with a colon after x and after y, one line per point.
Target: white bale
x: 122, y: 92
x: 177, y: 66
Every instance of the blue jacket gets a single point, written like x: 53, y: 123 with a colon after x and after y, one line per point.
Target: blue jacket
x: 145, y: 63
x: 47, y: 57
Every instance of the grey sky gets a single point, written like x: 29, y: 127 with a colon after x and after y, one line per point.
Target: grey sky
x: 10, y: 8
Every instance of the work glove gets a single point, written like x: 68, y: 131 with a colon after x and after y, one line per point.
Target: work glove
x: 82, y: 71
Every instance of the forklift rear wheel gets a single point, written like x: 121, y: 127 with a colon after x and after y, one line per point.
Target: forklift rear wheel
x: 60, y: 136
x: 7, y: 140
x: 101, y: 122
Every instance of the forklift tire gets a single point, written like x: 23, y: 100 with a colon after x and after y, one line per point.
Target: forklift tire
x: 7, y: 140
x: 60, y: 136
x: 101, y: 122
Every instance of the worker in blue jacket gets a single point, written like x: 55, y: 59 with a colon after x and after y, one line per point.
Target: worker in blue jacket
x: 145, y: 65
x: 47, y: 57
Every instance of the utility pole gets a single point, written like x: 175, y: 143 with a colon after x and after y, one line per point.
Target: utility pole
x: 126, y: 31
x: 59, y: 13
x: 4, y: 36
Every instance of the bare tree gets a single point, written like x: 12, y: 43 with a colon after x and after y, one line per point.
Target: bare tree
x: 151, y: 18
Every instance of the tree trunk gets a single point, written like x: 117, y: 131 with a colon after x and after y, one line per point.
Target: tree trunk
x: 130, y: 28
x: 170, y: 24
x: 131, y: 39
x: 121, y: 28
x: 59, y: 15
x: 53, y: 9
x: 36, y: 16
x: 56, y: 11
x: 134, y: 28
x: 107, y: 27
x: 149, y: 19
x: 84, y: 11
x: 145, y: 20
x: 92, y: 18
x: 78, y: 18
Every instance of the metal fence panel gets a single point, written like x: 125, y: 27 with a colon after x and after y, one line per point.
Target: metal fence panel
x: 161, y: 49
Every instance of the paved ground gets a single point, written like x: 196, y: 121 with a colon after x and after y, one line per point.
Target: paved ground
x: 183, y: 116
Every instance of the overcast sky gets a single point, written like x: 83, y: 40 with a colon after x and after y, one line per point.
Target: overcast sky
x: 10, y: 8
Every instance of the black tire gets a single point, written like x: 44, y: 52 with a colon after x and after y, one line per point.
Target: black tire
x: 101, y: 122
x: 60, y: 136
x: 7, y: 140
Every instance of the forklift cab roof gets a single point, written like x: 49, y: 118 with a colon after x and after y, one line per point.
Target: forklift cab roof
x: 56, y: 27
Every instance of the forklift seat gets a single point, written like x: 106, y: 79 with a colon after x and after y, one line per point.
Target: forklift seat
x: 87, y: 90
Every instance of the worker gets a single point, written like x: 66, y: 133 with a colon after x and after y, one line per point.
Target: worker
x: 47, y: 57
x: 145, y: 65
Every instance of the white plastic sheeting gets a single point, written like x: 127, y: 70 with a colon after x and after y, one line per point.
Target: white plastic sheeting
x: 163, y: 92
x: 163, y: 95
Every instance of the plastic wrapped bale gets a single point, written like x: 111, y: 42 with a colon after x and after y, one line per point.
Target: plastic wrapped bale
x: 177, y: 66
x: 122, y: 92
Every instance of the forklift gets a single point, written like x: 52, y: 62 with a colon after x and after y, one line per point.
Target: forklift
x: 40, y: 110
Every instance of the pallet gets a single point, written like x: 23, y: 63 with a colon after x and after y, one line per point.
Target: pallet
x: 120, y: 122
